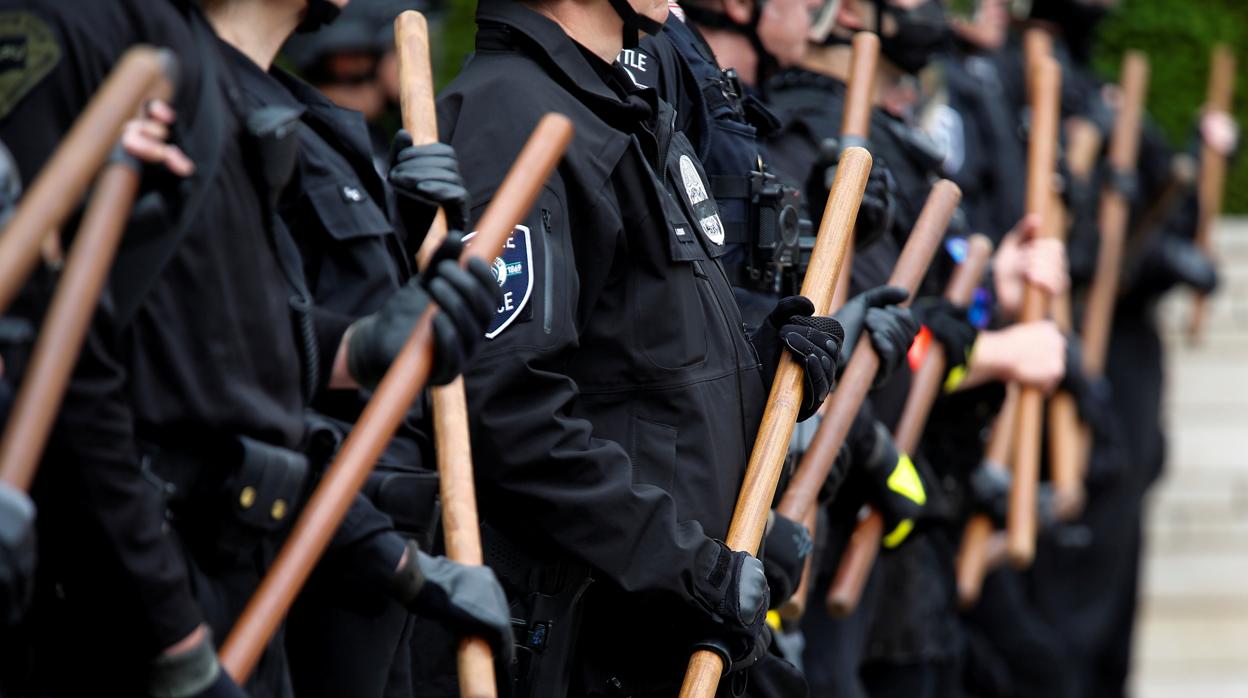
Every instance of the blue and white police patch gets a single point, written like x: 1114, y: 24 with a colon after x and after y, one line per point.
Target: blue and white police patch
x: 513, y: 270
x: 703, y: 207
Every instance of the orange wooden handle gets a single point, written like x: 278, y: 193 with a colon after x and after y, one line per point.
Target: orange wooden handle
x: 762, y: 474
x: 972, y: 561
x: 143, y: 73
x: 453, y: 445
x: 860, y: 88
x: 855, y: 567
x: 1041, y: 164
x: 1212, y: 182
x: 856, y: 381
x: 385, y: 410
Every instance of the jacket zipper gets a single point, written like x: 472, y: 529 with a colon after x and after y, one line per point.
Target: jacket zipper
x: 548, y: 276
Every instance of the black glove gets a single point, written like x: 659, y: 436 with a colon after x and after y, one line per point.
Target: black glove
x: 892, y: 329
x: 194, y: 673
x: 814, y: 342
x: 785, y: 549
x: 467, y: 299
x: 853, y: 315
x: 894, y: 484
x: 990, y: 492
x: 735, y: 591
x: 467, y: 599
x: 17, y: 552
x: 878, y: 209
x: 950, y: 325
x: 1173, y: 260
x: 426, y: 177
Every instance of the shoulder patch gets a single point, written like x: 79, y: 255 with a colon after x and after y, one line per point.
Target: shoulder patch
x: 28, y: 52
x: 513, y: 270
x: 703, y: 207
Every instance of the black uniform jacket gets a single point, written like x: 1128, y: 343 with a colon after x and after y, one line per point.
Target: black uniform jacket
x: 210, y: 350
x: 615, y: 402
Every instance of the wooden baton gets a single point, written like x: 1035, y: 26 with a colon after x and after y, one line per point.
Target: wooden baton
x: 929, y: 378
x: 1046, y: 78
x: 1066, y: 433
x: 855, y: 130
x: 972, y: 560
x: 762, y: 474
x: 381, y: 416
x: 142, y: 74
x: 460, y: 526
x: 1212, y: 181
x: 856, y: 381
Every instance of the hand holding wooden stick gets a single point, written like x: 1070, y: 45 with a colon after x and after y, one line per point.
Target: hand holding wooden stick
x: 391, y: 400
x: 767, y: 459
x: 453, y: 444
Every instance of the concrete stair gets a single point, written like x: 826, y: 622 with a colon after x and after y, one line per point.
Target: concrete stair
x: 1193, y: 624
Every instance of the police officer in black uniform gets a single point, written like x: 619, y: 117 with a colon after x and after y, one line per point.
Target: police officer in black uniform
x: 350, y: 630
x: 176, y: 464
x: 617, y: 396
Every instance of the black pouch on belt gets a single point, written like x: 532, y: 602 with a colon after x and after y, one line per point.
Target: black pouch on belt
x: 228, y: 498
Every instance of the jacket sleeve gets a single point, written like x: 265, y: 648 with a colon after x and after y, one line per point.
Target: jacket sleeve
x: 541, y: 470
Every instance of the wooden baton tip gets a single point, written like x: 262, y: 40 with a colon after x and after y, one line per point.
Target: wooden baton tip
x: 855, y: 567
x: 141, y: 74
x: 453, y: 446
x: 860, y: 88
x: 65, y: 327
x: 762, y: 474
x: 1212, y: 181
x: 972, y: 560
x: 916, y: 256
x: 381, y: 416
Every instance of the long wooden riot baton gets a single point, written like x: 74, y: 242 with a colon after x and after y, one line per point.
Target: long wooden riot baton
x: 1065, y: 430
x: 450, y: 407
x: 762, y: 474
x: 855, y: 130
x: 45, y: 207
x: 141, y: 74
x: 972, y: 561
x: 930, y: 376
x: 1212, y: 182
x: 1124, y: 146
x: 1046, y: 78
x: 856, y: 381
x: 381, y: 416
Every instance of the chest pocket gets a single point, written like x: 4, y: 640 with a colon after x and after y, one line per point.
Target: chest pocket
x: 346, y: 210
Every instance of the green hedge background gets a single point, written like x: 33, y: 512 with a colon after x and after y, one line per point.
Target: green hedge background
x: 1177, y: 35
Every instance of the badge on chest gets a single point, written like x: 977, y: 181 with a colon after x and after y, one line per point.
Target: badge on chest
x: 513, y: 270
x: 704, y: 209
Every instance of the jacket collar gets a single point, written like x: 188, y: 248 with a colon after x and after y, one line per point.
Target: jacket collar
x: 546, y: 41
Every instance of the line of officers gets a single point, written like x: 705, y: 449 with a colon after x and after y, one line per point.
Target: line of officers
x: 617, y: 355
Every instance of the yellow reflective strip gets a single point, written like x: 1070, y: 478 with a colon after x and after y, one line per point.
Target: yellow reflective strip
x: 894, y: 539
x: 956, y: 375
x: 773, y: 619
x: 905, y: 481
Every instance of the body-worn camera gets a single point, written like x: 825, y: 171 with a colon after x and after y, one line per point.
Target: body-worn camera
x: 774, y: 215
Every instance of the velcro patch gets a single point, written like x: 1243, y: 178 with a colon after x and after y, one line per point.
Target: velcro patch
x: 28, y: 52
